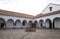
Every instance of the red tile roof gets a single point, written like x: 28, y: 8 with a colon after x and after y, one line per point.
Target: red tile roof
x: 10, y: 13
x: 47, y: 14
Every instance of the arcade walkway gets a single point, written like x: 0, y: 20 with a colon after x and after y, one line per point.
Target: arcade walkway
x: 21, y: 34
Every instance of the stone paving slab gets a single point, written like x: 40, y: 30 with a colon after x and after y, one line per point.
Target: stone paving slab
x: 21, y: 34
x: 44, y: 34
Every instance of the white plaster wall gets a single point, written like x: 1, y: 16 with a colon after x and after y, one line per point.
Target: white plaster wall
x: 54, y: 8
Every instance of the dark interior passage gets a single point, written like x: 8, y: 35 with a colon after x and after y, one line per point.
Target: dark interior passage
x: 50, y: 24
x: 41, y: 25
x: 53, y: 24
x: 2, y: 23
x: 35, y: 24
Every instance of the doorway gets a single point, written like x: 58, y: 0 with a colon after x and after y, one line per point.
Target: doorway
x: 48, y: 23
x: 41, y: 24
x: 2, y: 23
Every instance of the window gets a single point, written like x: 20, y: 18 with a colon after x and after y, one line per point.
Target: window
x: 50, y: 8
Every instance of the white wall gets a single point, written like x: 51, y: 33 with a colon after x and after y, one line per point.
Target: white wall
x: 54, y: 8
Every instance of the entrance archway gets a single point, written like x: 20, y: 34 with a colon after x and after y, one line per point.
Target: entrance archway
x: 56, y: 22
x: 30, y: 23
x: 2, y: 23
x: 24, y: 23
x: 41, y: 23
x: 10, y: 23
x: 35, y: 23
x: 48, y: 23
x: 17, y: 24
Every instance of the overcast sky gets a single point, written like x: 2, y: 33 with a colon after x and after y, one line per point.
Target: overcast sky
x: 32, y: 7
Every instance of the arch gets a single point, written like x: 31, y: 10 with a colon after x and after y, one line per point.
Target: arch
x: 17, y: 23
x: 2, y: 20
x: 47, y: 20
x: 41, y: 20
x: 2, y: 23
x: 10, y: 20
x: 35, y: 23
x: 48, y: 23
x: 10, y: 23
x: 24, y: 22
x: 56, y: 22
x: 30, y: 21
x: 41, y: 23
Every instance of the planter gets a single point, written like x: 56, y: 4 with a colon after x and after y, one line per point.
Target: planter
x: 30, y: 29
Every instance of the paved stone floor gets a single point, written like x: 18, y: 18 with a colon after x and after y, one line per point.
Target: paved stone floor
x: 21, y: 34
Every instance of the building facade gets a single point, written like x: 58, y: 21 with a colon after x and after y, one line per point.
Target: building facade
x: 49, y: 18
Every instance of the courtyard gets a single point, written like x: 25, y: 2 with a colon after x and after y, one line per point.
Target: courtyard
x: 38, y: 34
